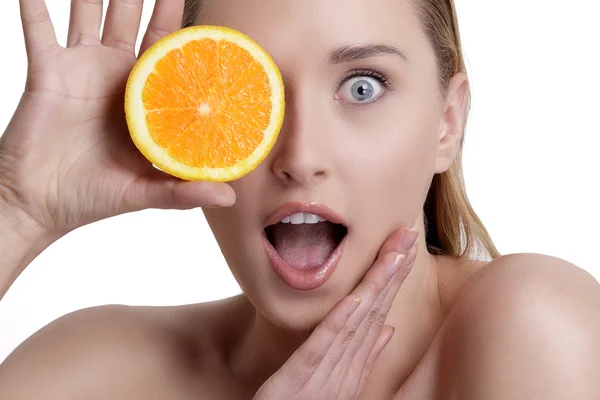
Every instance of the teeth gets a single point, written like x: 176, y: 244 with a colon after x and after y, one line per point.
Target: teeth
x: 303, y: 218
x: 310, y: 218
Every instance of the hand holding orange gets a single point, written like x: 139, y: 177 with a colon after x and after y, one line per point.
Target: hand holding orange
x: 205, y: 103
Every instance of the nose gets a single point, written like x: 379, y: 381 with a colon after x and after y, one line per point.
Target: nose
x: 301, y: 155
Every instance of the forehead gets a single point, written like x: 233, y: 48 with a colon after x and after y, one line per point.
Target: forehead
x: 315, y: 27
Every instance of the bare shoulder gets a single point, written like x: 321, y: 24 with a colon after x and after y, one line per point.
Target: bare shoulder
x: 98, y: 352
x: 525, y: 326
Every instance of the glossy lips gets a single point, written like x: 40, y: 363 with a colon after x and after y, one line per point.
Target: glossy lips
x: 294, y: 277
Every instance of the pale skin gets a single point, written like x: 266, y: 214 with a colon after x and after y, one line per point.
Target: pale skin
x: 524, y: 326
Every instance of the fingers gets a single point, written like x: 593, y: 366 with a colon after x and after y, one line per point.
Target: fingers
x: 162, y: 191
x: 362, y: 349
x: 373, y: 317
x: 86, y: 20
x: 166, y: 18
x: 399, y: 241
x: 373, y: 291
x: 122, y: 24
x: 399, y: 278
x: 201, y: 194
x: 382, y: 278
x: 37, y: 27
x: 307, y: 358
x: 382, y: 340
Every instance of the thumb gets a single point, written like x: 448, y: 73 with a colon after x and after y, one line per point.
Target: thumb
x: 202, y: 194
x: 182, y: 195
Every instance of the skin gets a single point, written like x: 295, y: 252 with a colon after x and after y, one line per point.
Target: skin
x: 542, y: 341
x: 327, y: 142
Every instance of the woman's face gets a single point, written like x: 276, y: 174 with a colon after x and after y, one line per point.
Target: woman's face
x: 361, y: 135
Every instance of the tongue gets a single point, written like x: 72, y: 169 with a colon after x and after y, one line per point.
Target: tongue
x: 304, y: 246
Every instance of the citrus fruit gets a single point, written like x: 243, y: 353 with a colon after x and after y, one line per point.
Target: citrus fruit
x: 205, y: 103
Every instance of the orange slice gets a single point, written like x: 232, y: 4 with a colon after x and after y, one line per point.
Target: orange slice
x: 205, y: 103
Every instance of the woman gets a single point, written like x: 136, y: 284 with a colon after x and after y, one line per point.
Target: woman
x: 376, y: 107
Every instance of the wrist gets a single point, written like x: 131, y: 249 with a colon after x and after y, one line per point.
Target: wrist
x: 15, y: 224
x: 21, y: 241
x: 18, y: 220
x: 18, y: 228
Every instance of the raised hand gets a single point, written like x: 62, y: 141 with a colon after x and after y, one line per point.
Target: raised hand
x: 66, y: 158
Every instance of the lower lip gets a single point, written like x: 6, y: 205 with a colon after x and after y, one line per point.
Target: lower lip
x: 303, y: 280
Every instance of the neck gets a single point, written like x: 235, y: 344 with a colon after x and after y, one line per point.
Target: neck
x: 416, y: 315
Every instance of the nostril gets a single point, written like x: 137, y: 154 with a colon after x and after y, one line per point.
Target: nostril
x: 301, y: 177
x: 287, y: 176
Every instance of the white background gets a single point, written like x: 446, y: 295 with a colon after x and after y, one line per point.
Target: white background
x: 530, y: 166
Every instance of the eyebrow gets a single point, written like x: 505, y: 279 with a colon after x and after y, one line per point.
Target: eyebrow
x: 361, y: 51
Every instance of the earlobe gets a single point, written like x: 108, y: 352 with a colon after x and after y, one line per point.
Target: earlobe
x: 452, y: 122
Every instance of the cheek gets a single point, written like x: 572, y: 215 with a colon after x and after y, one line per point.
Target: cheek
x: 232, y: 223
x: 391, y: 171
x: 392, y: 157
x: 238, y: 232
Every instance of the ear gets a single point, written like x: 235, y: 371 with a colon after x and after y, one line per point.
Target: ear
x: 452, y: 122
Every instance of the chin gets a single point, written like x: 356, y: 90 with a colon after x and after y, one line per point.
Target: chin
x: 293, y: 310
x: 299, y: 316
x: 295, y: 262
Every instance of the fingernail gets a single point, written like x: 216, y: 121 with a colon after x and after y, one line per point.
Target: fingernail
x: 353, y: 305
x: 395, y: 264
x: 409, y: 240
x: 411, y: 257
x: 391, y: 330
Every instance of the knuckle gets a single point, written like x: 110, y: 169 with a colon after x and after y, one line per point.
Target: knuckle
x: 372, y: 317
x: 36, y: 18
x: 347, y: 335
x: 310, y: 358
x: 380, y: 320
x: 299, y: 375
x: 376, y: 284
x: 331, y: 325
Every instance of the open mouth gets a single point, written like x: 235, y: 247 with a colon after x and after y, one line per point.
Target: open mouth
x: 305, y: 241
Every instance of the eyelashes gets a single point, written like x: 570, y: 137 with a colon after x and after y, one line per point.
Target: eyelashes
x: 382, y: 78
x: 362, y: 87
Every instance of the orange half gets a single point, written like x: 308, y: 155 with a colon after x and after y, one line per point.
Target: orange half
x: 205, y: 103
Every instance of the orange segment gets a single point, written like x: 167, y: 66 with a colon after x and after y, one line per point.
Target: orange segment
x: 205, y: 103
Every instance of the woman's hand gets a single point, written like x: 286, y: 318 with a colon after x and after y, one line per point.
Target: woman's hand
x: 337, y: 358
x: 66, y: 158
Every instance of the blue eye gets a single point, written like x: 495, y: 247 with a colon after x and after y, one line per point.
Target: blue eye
x: 362, y: 87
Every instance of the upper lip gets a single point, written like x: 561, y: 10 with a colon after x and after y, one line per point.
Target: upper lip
x: 312, y: 207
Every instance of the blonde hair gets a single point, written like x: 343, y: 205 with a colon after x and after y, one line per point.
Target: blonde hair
x: 452, y: 227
